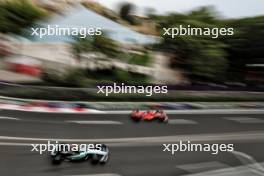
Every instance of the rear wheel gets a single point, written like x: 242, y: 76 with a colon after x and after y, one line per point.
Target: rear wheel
x: 57, y: 159
x: 95, y: 159
x: 135, y: 119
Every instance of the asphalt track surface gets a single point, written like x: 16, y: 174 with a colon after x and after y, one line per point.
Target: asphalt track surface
x: 136, y: 149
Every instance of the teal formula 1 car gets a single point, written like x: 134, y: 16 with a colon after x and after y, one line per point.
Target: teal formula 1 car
x: 96, y: 155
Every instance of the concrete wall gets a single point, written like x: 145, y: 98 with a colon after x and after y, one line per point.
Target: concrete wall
x: 51, y: 52
x: 54, y: 56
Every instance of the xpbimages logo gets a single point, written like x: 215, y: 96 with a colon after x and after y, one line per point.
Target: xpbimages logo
x: 191, y: 147
x: 195, y: 31
x: 56, y: 30
x: 49, y: 147
x: 128, y: 89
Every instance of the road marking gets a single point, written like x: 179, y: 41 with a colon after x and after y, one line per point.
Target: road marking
x: 200, y: 111
x: 243, y: 136
x: 249, y: 160
x: 243, y: 170
x: 17, y: 144
x: 245, y: 119
x: 204, y: 166
x: 182, y: 122
x: 96, y: 122
x: 8, y: 118
x: 106, y: 174
x: 93, y: 111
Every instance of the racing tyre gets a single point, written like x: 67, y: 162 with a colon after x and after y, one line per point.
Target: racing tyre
x: 57, y: 160
x: 163, y: 120
x: 135, y: 119
x: 95, y: 159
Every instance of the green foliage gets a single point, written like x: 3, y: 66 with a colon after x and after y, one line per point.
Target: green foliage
x: 125, y: 13
x: 129, y: 77
x: 77, y: 77
x: 108, y: 47
x: 18, y: 14
x: 204, y: 57
x: 105, y: 45
x: 81, y: 45
x: 246, y: 46
x: 100, y: 43
x: 116, y: 75
x: 214, y: 60
x: 135, y: 58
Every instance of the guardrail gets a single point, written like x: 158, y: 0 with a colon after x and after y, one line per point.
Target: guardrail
x: 90, y: 94
x: 83, y: 106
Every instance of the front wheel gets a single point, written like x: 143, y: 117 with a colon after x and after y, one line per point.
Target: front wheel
x: 95, y: 159
x: 164, y: 120
x: 57, y: 159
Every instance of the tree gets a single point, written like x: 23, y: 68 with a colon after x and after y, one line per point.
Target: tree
x: 105, y: 45
x: 203, y: 58
x: 150, y: 12
x: 125, y: 13
x: 100, y: 43
x: 18, y: 14
x: 246, y: 46
x: 81, y: 45
x: 221, y: 59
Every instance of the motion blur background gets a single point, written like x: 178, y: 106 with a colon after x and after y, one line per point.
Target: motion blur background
x: 132, y: 49
x: 48, y: 86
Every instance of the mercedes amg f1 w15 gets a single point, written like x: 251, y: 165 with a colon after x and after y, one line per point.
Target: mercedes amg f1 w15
x: 96, y: 155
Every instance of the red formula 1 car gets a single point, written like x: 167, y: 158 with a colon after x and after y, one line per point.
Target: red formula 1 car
x: 159, y: 115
